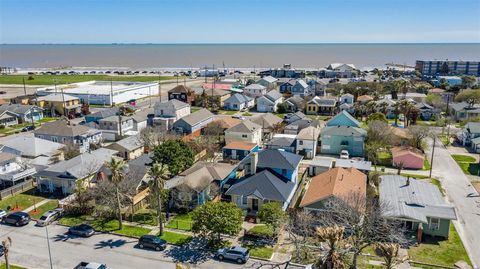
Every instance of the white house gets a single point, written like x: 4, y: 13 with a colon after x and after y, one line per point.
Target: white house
x: 12, y: 169
x: 268, y: 82
x: 269, y: 102
x: 347, y: 99
x: 307, y: 142
x: 238, y: 102
x: 112, y: 130
x: 255, y: 90
x: 246, y: 131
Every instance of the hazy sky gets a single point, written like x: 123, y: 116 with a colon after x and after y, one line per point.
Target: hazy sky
x: 238, y: 21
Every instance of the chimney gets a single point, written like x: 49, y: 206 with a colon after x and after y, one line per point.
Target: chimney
x: 253, y: 163
x: 408, y: 181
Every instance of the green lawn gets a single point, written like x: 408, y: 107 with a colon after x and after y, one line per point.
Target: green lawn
x: 175, y: 238
x: 426, y: 164
x: 259, y: 250
x: 109, y: 226
x: 23, y: 201
x: 384, y: 158
x: 43, y: 208
x: 247, y: 114
x: 227, y: 112
x: 64, y: 79
x: 180, y: 222
x: 3, y: 266
x: 445, y: 252
x: 444, y: 139
x: 262, y: 230
x: 463, y: 158
x: 146, y: 216
x: 467, y: 163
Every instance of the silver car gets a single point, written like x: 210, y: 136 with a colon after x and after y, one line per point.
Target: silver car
x: 238, y: 254
x: 3, y: 213
x: 48, y: 217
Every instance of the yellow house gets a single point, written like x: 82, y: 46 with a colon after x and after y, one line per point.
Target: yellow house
x: 61, y: 104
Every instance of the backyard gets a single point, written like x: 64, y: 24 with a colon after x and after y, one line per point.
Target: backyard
x: 65, y: 79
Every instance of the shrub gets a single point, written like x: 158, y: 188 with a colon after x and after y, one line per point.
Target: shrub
x: 2, y: 127
x: 263, y: 231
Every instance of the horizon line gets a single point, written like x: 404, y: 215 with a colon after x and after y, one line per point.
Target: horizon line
x: 249, y: 43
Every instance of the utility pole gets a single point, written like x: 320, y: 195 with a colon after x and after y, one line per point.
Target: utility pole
x: 150, y: 96
x: 433, y: 152
x: 48, y: 245
x: 159, y: 89
x: 24, y: 87
x: 64, y: 105
x: 111, y: 93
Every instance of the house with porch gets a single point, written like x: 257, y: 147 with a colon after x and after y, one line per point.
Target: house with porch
x: 23, y: 113
x: 265, y: 176
x: 469, y: 132
x: 40, y: 153
x: 59, y: 104
x: 166, y: 113
x: 255, y: 90
x: 417, y: 204
x: 321, y: 106
x: 463, y: 110
x: 13, y: 170
x: 128, y: 148
x: 343, y: 132
x: 116, y: 127
x: 286, y: 87
x: 427, y: 112
x: 8, y: 118
x: 182, y: 93
x: 295, y: 104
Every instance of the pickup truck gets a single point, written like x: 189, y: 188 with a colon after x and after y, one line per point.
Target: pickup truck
x: 90, y: 265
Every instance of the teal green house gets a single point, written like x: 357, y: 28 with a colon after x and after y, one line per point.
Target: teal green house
x: 343, y: 132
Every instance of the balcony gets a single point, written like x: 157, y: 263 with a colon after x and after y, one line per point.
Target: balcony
x: 17, y: 175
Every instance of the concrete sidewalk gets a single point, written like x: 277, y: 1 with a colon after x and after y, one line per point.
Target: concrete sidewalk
x: 37, y: 205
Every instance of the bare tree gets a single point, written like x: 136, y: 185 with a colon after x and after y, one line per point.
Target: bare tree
x: 389, y: 253
x: 70, y: 151
x: 7, y: 243
x: 299, y: 228
x: 379, y: 132
x: 417, y: 135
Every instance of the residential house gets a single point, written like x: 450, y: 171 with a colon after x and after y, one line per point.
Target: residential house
x: 286, y: 72
x: 13, y: 170
x: 286, y: 142
x: 286, y: 87
x: 246, y: 131
x: 317, y: 88
x: 166, y: 113
x: 141, y: 119
x: 469, y: 132
x: 23, y: 113
x: 387, y: 107
x: 268, y: 82
x: 193, y: 123
x: 262, y: 177
x: 289, y: 118
x: 59, y: 104
x: 300, y: 88
x: 407, y: 157
x: 104, y: 113
x: 347, y: 107
x: 321, y: 106
x: 255, y: 90
x: 23, y: 99
x: 363, y: 99
x: 343, y: 132
x: 400, y: 136
x: 269, y: 122
x: 337, y: 184
x: 338, y: 70
x: 295, y: 104
x: 35, y: 151
x: 182, y: 93
x: 269, y: 102
x: 61, y: 131
x: 296, y: 126
x: 463, y: 110
x: 63, y: 177
x: 198, y: 184
x: 8, y: 118
x: 347, y: 99
x: 427, y: 112
x: 322, y: 164
x: 128, y: 148
x: 112, y: 130
x: 417, y: 204
x: 238, y: 150
x: 239, y: 102
x: 307, y: 142
x: 226, y: 123
x: 216, y: 97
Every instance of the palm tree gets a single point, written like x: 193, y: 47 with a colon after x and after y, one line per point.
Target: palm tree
x: 396, y: 112
x: 157, y: 184
x: 333, y: 237
x: 116, y: 167
x: 6, y: 249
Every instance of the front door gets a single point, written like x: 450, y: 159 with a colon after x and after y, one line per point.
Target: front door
x: 255, y: 204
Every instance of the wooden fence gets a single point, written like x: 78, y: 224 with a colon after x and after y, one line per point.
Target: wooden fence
x: 19, y: 188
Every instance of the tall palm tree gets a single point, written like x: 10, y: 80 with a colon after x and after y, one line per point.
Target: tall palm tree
x: 396, y: 111
x: 157, y: 184
x: 116, y: 167
x: 6, y: 249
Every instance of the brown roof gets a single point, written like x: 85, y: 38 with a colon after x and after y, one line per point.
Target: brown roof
x: 338, y: 182
x: 62, y: 128
x: 240, y: 145
x: 181, y: 89
x: 400, y: 132
x: 364, y: 98
x: 436, y: 90
x: 228, y: 122
x: 399, y: 151
x: 3, y: 101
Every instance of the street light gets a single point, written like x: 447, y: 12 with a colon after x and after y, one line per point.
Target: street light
x: 48, y: 245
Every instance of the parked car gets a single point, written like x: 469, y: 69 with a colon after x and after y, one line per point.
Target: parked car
x: 3, y: 213
x: 48, y: 217
x: 28, y: 128
x: 153, y: 242
x: 344, y: 154
x: 83, y: 230
x: 17, y: 219
x: 91, y: 265
x: 238, y: 254
x: 238, y: 117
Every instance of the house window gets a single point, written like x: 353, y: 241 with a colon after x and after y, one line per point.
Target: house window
x: 244, y: 200
x: 54, y: 139
x: 434, y: 224
x: 300, y: 142
x: 244, y: 136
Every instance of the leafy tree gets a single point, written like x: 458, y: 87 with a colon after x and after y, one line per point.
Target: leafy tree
x: 216, y: 218
x: 158, y: 174
x: 377, y: 116
x: 250, y: 81
x: 470, y: 96
x: 435, y: 100
x: 174, y: 155
x: 116, y: 167
x: 282, y: 108
x: 372, y: 149
x: 272, y: 214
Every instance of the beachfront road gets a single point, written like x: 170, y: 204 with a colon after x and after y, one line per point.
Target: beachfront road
x: 29, y: 249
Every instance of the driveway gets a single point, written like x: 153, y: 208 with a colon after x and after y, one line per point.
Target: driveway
x: 29, y: 249
x: 463, y: 196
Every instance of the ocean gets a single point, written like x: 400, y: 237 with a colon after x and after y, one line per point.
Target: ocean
x: 229, y: 55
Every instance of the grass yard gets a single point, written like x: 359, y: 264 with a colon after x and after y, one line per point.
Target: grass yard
x: 64, y: 79
x: 145, y: 216
x: 247, y: 114
x: 175, y: 238
x: 262, y: 230
x: 445, y: 252
x: 468, y: 164
x: 426, y: 164
x: 259, y: 251
x: 180, y: 222
x: 43, y: 208
x: 3, y: 266
x: 384, y: 158
x: 444, y: 139
x: 109, y: 226
x: 227, y: 112
x: 23, y: 200
x: 463, y: 158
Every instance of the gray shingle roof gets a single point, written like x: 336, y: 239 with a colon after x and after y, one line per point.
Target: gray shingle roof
x: 197, y: 117
x: 244, y: 127
x: 269, y: 79
x: 272, y: 158
x: 282, y: 142
x: 173, y: 103
x: 61, y: 128
x: 17, y: 108
x: 32, y: 147
x: 266, y: 120
x: 238, y: 98
x: 201, y: 174
x: 142, y: 115
x: 473, y: 127
x: 104, y: 113
x: 416, y: 201
x: 273, y: 95
x: 343, y: 131
x: 263, y: 185
x: 329, y: 102
x: 130, y: 143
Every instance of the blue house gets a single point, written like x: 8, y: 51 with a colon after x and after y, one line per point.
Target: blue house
x: 343, y: 132
x: 238, y: 150
x: 286, y: 87
x: 266, y: 176
x: 300, y: 88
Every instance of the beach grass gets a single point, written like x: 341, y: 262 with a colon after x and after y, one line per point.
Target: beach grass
x: 65, y: 79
